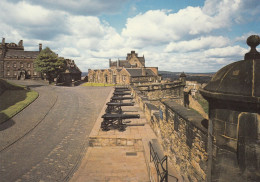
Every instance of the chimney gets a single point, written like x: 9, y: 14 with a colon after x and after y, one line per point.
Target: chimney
x: 3, y: 41
x: 109, y: 63
x: 117, y: 63
x: 143, y: 71
x: 40, y: 47
x: 20, y: 43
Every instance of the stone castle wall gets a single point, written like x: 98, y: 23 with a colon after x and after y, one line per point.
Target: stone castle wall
x: 182, y: 133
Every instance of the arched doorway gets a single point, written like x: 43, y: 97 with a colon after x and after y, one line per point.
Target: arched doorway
x: 22, y: 74
x: 106, y: 78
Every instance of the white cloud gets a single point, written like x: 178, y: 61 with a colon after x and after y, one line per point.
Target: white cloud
x: 197, y: 44
x: 81, y: 7
x: 229, y: 51
x: 181, y: 41
x: 161, y: 26
x: 31, y: 20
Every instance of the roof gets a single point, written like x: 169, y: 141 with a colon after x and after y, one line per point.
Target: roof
x: 238, y: 81
x: 22, y: 54
x: 142, y: 60
x: 138, y: 72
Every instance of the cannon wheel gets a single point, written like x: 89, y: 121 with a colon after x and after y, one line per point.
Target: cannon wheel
x: 104, y: 126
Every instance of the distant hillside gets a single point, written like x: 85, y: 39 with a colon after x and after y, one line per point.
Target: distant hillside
x: 199, y: 77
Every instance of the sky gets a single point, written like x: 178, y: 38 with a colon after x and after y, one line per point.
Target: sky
x: 173, y: 35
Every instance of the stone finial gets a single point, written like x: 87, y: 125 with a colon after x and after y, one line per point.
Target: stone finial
x: 253, y: 41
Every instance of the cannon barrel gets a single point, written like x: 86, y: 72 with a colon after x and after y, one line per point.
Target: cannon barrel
x: 122, y: 93
x: 121, y: 98
x: 120, y: 104
x: 120, y: 116
x: 122, y: 89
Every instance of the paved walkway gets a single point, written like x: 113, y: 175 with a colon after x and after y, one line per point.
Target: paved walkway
x: 115, y: 155
x: 48, y: 139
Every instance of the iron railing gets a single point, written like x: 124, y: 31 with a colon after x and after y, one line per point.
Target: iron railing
x: 161, y: 165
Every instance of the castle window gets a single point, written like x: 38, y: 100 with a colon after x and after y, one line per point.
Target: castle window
x: 123, y: 78
x: 14, y: 64
x: 7, y: 64
x: 28, y: 65
x: 34, y: 73
x: 21, y: 64
x: 8, y: 73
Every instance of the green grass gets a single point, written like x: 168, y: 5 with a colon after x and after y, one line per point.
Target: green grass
x: 98, y: 84
x: 14, y: 99
x: 204, y: 103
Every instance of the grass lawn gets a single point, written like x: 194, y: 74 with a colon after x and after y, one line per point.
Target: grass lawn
x: 204, y: 103
x: 98, y: 84
x: 14, y: 100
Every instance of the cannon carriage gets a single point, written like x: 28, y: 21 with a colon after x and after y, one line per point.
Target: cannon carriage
x: 114, y: 115
x: 116, y: 121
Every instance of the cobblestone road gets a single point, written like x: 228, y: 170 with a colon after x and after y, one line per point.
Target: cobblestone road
x: 46, y: 141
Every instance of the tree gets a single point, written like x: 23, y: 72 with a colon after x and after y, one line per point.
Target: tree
x: 49, y: 63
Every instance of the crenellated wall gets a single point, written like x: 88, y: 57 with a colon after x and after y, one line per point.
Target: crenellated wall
x: 182, y: 133
x: 158, y: 91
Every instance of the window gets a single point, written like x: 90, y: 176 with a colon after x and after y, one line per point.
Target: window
x: 21, y: 64
x: 34, y: 73
x: 29, y: 72
x: 123, y: 78
x: 15, y: 73
x: 28, y: 65
x: 7, y: 64
x: 8, y: 73
x: 14, y: 64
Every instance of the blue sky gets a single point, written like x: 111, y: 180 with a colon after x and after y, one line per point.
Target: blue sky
x: 174, y: 35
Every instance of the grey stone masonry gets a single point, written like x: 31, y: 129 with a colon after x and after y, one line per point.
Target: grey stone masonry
x: 234, y: 119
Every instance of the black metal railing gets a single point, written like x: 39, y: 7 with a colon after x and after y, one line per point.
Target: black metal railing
x: 161, y: 165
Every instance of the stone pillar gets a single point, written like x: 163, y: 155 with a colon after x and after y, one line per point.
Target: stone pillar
x: 40, y: 47
x: 183, y: 78
x: 234, y: 120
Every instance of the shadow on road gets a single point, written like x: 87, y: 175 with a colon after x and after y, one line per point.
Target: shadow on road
x: 35, y: 86
x: 11, y: 97
x: 7, y: 124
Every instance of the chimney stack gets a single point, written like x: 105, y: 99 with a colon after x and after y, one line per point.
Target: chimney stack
x: 20, y: 43
x: 109, y: 63
x: 117, y: 63
x: 40, y: 47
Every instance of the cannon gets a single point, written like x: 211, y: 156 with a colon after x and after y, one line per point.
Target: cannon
x: 116, y: 121
x: 116, y: 106
x: 121, y: 98
x: 120, y: 104
x: 122, y: 89
x: 121, y: 93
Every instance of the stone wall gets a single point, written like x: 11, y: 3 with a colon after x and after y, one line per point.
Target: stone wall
x: 182, y: 133
x: 162, y: 90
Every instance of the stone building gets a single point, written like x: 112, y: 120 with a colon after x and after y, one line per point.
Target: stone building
x: 131, y: 70
x: 16, y: 63
x: 234, y: 119
x: 71, y: 74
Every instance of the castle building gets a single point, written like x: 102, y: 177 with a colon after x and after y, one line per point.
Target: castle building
x: 129, y: 71
x: 16, y: 63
